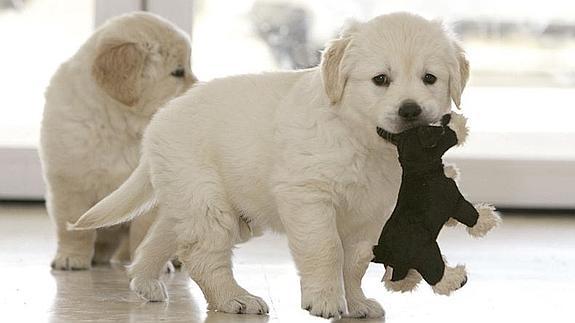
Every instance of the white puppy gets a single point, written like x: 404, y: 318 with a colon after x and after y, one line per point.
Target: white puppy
x: 291, y: 151
x: 97, y: 106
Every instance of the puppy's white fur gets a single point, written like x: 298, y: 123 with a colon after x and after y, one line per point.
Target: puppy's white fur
x: 97, y: 106
x: 296, y: 152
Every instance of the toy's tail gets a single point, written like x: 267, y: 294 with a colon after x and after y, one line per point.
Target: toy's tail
x: 131, y: 199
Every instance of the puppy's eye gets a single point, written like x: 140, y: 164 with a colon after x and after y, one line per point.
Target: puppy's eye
x: 381, y: 80
x: 429, y: 79
x: 180, y: 72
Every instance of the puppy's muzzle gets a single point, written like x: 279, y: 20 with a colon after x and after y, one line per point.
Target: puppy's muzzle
x: 409, y: 110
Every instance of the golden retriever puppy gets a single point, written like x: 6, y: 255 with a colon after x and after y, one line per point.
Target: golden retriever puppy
x: 292, y: 151
x: 98, y: 104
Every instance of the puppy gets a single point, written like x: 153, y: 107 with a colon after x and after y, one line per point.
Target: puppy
x: 296, y: 152
x: 97, y: 106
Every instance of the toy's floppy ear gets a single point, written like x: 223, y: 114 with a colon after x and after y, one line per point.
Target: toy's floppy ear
x: 458, y: 74
x: 118, y: 69
x: 429, y: 136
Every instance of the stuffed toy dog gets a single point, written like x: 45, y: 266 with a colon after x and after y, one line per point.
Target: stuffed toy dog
x: 427, y: 199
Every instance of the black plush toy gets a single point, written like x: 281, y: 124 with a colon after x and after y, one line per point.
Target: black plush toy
x: 427, y: 200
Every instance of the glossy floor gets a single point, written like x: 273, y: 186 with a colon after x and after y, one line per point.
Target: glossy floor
x: 522, y: 272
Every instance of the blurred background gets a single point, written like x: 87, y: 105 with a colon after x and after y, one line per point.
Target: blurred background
x: 520, y: 98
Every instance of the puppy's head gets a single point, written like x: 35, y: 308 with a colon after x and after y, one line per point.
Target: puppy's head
x: 395, y: 71
x: 141, y: 61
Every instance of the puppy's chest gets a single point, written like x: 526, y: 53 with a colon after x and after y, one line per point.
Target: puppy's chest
x: 372, y: 192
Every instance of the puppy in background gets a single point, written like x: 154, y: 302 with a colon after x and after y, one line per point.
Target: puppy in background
x: 97, y: 106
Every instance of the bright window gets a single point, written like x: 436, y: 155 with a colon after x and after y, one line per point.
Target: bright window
x: 36, y: 36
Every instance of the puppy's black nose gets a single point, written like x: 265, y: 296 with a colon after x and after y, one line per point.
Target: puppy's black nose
x: 409, y: 110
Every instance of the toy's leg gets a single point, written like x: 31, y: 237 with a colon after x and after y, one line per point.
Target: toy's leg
x: 357, y: 256
x: 464, y: 212
x: 407, y: 284
x: 451, y: 171
x: 487, y: 220
x: 443, y: 279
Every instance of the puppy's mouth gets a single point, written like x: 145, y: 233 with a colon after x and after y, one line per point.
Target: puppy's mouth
x: 403, y: 125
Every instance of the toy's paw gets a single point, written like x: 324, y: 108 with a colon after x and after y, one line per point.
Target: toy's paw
x: 64, y: 261
x: 488, y: 219
x: 324, y: 302
x: 451, y: 222
x: 453, y: 279
x: 451, y: 171
x: 458, y: 124
x: 241, y: 304
x: 408, y: 284
x: 150, y: 289
x: 364, y: 308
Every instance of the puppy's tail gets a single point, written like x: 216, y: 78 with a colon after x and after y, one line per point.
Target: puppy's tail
x: 133, y: 198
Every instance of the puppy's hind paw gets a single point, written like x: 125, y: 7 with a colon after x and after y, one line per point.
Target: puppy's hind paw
x: 152, y: 290
x: 71, y: 262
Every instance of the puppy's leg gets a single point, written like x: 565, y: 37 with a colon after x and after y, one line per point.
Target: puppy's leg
x: 139, y: 228
x: 150, y: 259
x: 75, y: 248
x: 107, y: 242
x: 211, y: 233
x: 310, y: 224
x: 357, y: 256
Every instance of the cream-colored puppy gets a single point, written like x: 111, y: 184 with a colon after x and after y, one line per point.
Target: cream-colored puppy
x: 296, y: 152
x: 97, y: 106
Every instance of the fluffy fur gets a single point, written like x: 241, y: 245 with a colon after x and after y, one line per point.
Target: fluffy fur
x: 453, y: 279
x: 408, y: 284
x: 488, y: 219
x: 97, y: 106
x: 296, y: 152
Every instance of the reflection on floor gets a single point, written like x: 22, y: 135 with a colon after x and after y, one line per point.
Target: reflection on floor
x: 522, y: 272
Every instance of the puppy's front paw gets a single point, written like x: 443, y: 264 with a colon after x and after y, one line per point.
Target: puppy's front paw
x: 150, y: 289
x: 364, y: 308
x: 324, y: 302
x: 242, y: 304
x: 64, y: 261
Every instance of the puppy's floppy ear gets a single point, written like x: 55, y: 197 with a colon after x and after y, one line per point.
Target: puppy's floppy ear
x: 118, y: 69
x: 332, y: 73
x: 459, y: 74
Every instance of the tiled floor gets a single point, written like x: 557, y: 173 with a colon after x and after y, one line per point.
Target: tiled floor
x: 522, y: 272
